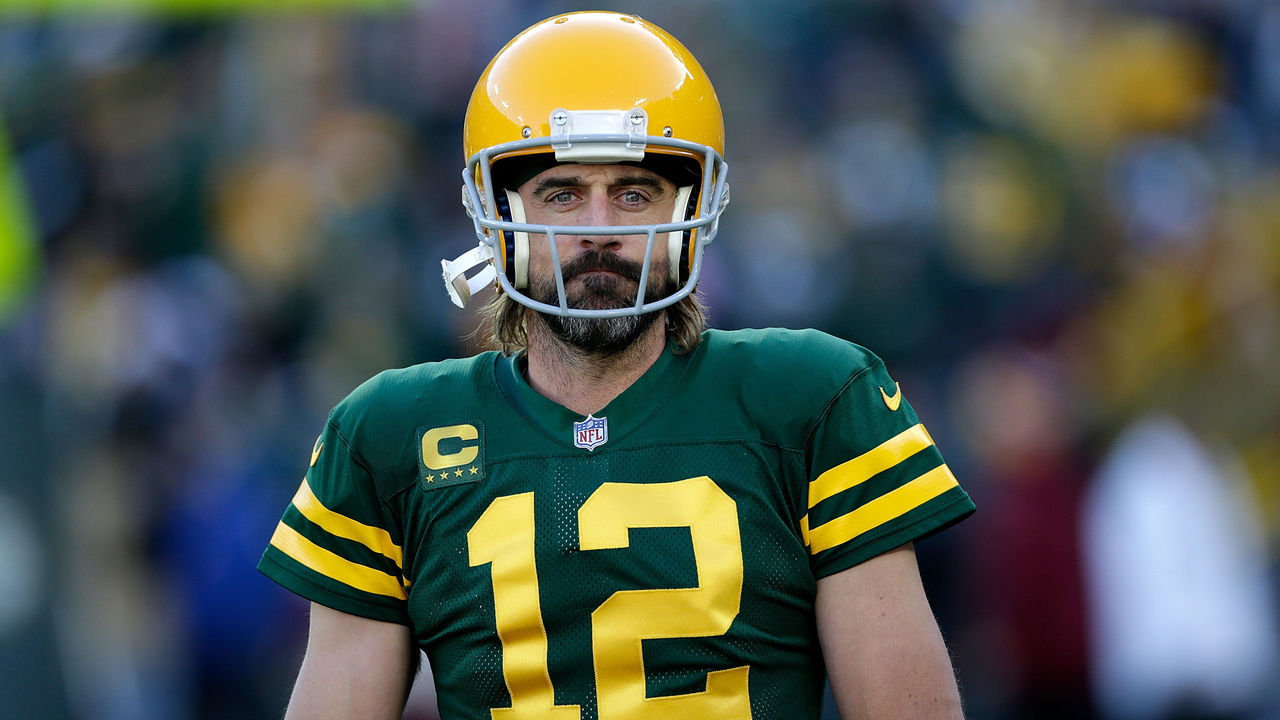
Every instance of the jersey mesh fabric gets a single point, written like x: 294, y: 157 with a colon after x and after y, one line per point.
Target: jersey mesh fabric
x: 732, y: 479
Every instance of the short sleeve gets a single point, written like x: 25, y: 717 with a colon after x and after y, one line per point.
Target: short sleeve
x: 335, y: 543
x: 876, y: 479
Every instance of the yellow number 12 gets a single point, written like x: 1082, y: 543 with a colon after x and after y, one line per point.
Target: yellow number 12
x: 504, y: 537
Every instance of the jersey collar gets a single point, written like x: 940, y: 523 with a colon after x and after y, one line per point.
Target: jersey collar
x: 628, y: 411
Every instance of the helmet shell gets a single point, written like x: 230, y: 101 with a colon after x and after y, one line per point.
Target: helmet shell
x: 593, y: 61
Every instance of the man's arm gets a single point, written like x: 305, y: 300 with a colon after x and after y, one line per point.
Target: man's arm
x: 884, y: 653
x: 354, y: 667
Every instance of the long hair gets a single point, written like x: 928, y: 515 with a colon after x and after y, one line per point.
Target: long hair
x: 503, y: 324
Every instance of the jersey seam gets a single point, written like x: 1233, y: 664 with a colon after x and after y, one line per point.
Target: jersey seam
x: 357, y: 458
x: 826, y: 410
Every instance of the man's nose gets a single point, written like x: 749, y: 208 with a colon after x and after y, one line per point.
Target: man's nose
x: 598, y: 211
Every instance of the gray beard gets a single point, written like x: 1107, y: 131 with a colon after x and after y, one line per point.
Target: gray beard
x: 601, y: 336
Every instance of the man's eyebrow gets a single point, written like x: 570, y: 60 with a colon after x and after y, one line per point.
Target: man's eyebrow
x: 555, y: 183
x: 644, y: 181
x: 546, y: 185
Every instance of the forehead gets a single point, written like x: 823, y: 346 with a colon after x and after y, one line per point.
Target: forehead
x: 591, y: 174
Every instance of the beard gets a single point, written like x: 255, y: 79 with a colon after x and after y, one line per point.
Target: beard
x: 601, y: 336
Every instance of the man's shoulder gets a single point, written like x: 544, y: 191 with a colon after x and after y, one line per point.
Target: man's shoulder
x: 795, y: 353
x: 409, y: 390
x: 782, y: 380
x: 429, y: 374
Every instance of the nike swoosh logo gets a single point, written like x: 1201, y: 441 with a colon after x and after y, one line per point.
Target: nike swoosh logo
x: 315, y: 454
x: 892, y: 401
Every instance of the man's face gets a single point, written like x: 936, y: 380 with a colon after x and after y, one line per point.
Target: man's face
x: 600, y: 271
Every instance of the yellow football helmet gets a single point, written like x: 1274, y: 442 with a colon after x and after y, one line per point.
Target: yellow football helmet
x: 589, y: 87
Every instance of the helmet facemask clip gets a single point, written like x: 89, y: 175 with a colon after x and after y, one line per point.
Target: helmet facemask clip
x: 633, y: 124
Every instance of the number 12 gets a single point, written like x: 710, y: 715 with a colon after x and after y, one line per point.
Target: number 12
x: 503, y: 537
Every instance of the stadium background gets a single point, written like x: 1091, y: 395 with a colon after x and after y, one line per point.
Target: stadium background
x: 1058, y: 221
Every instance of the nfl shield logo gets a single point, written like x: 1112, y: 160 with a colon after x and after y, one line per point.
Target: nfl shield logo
x: 591, y: 433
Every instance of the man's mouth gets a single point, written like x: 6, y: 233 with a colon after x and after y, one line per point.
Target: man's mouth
x: 602, y: 265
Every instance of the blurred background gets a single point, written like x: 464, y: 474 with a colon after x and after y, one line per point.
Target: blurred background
x: 1057, y: 220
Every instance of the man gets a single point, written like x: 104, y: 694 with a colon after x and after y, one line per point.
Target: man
x: 619, y: 515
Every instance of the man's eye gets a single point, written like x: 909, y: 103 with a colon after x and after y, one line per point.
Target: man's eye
x: 632, y: 197
x: 563, y: 196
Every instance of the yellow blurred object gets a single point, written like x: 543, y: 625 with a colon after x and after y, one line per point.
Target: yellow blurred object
x: 1262, y: 467
x: 1253, y: 220
x: 1152, y: 332
x: 1082, y: 80
x: 267, y: 215
x: 93, y: 330
x: 359, y: 156
x: 19, y: 259
x: 1000, y: 218
x: 1013, y: 60
x: 1151, y: 74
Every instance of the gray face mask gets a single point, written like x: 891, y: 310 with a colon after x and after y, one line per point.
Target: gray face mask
x: 601, y: 335
x: 504, y: 241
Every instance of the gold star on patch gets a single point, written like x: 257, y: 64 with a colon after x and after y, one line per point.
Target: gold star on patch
x: 431, y: 478
x: 458, y: 472
x: 474, y: 471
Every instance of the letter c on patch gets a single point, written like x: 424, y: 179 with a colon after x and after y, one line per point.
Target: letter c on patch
x: 432, y: 438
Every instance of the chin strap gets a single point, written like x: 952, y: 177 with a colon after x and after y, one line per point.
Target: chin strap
x: 461, y: 287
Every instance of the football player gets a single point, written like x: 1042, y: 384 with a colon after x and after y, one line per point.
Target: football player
x: 616, y: 514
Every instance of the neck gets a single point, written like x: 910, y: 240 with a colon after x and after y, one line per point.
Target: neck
x: 586, y: 382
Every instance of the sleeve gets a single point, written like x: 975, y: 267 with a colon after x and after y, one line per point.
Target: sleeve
x: 335, y: 544
x: 876, y: 479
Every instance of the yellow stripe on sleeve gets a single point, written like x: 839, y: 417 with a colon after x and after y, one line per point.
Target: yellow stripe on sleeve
x: 374, y: 538
x: 869, y: 464
x: 881, y: 510
x: 292, y: 543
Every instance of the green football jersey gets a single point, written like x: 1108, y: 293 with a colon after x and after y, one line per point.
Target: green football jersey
x: 656, y: 560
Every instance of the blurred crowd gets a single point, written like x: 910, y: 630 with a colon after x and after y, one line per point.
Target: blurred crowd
x: 1057, y: 220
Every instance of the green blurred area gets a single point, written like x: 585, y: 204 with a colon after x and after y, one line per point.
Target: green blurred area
x: 19, y: 257
x: 190, y: 7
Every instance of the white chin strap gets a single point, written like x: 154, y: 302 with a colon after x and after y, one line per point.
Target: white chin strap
x: 456, y: 282
x: 461, y: 288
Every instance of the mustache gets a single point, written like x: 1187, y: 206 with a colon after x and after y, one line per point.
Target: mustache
x: 601, y: 260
